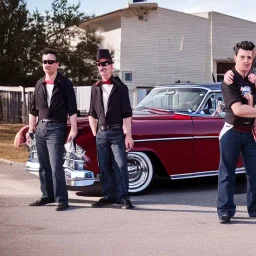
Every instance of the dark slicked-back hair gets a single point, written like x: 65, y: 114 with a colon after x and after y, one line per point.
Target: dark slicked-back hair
x: 245, y: 45
x: 49, y: 51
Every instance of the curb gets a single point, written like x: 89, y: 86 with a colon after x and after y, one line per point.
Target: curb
x: 5, y: 161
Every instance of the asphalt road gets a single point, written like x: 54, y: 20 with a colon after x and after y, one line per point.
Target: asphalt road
x: 173, y: 218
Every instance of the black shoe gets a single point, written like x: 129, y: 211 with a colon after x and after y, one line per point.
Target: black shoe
x: 224, y: 218
x: 42, y: 201
x: 62, y: 206
x: 102, y: 202
x: 126, y: 204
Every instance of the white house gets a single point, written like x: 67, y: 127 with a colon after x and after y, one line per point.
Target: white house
x: 154, y: 45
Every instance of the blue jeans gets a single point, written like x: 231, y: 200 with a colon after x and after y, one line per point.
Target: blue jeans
x: 231, y: 144
x: 50, y: 140
x: 112, y: 160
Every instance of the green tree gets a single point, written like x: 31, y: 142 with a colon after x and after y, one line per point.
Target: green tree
x: 14, y: 25
x: 30, y: 33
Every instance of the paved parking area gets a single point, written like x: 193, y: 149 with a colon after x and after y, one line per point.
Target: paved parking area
x: 172, y: 218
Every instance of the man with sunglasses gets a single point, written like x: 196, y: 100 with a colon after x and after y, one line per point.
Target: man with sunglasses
x: 110, y: 109
x: 54, y: 100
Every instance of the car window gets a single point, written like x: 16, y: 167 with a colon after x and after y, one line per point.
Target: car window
x: 214, y: 105
x: 175, y: 99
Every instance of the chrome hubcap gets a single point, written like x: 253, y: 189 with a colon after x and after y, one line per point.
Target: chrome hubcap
x: 137, y: 171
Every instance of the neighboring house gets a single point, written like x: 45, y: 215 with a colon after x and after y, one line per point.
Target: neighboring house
x: 154, y: 45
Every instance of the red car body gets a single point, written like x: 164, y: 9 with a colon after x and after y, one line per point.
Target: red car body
x: 181, y: 141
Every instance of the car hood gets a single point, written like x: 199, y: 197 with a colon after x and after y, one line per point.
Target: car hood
x: 152, y: 114
x: 145, y: 114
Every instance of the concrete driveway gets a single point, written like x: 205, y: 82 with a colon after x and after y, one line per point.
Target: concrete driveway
x: 173, y: 218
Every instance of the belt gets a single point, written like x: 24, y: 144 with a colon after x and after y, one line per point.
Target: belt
x: 52, y: 120
x: 109, y: 127
x: 243, y: 128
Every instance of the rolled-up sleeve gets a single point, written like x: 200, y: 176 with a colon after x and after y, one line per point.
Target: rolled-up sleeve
x: 126, y: 104
x: 72, y: 106
x: 231, y: 94
x: 92, y: 111
x: 33, y: 111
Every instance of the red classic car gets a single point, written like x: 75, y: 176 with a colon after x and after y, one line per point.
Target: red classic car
x: 175, y: 129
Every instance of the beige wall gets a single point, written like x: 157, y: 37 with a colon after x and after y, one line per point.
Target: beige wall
x: 227, y: 31
x: 171, y: 45
x: 152, y: 49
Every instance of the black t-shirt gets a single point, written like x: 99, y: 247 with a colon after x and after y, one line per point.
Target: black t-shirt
x: 234, y: 93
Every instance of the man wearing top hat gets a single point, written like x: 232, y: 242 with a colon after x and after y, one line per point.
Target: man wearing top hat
x: 110, y: 109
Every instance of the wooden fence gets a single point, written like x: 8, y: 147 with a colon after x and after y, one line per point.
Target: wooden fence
x: 15, y: 102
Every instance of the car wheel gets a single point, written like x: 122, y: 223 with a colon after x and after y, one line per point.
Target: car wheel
x: 140, y: 172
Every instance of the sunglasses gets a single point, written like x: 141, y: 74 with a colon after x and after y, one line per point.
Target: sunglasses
x: 50, y: 62
x: 104, y: 63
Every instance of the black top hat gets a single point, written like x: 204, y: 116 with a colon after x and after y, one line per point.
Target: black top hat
x: 103, y: 54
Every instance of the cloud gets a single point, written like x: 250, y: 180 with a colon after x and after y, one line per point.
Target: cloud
x: 241, y: 9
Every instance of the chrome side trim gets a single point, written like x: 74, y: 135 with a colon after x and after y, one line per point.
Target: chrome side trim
x: 179, y: 138
x: 163, y: 139
x: 201, y: 174
x: 206, y: 137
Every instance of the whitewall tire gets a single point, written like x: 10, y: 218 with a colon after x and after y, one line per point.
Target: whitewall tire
x: 140, y: 171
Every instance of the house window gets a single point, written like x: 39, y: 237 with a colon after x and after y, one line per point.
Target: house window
x: 127, y: 77
x: 222, y: 68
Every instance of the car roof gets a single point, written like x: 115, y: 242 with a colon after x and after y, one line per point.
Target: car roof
x: 209, y: 86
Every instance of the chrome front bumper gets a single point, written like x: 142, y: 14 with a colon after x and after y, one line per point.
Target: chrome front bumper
x: 80, y: 178
x: 74, y: 178
x: 74, y: 163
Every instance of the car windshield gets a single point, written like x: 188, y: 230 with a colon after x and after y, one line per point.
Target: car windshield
x: 174, y: 99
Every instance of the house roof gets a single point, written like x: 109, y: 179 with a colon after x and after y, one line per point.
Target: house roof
x: 114, y: 13
x: 133, y: 8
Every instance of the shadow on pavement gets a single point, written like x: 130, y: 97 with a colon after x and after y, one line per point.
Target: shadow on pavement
x: 241, y: 222
x: 193, y: 192
x: 82, y: 201
x: 90, y: 191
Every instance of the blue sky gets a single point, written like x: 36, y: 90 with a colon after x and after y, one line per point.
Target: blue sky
x: 245, y: 9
